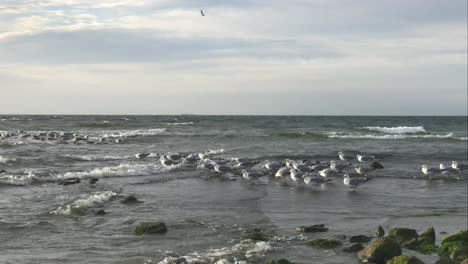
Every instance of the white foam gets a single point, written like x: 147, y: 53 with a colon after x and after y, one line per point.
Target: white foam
x: 180, y: 124
x: 95, y: 157
x: 397, y: 130
x: 5, y: 160
x: 134, y: 133
x: 247, y: 251
x: 84, y: 203
x: 388, y: 136
x: 214, y: 151
x: 117, y: 171
x: 18, y: 180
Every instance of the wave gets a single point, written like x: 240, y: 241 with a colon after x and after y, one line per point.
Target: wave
x: 95, y: 158
x: 134, y: 133
x: 99, y: 124
x: 117, y: 171
x: 389, y: 136
x: 18, y: 180
x: 247, y: 250
x: 80, y: 205
x: 397, y: 130
x: 5, y: 160
x: 180, y: 124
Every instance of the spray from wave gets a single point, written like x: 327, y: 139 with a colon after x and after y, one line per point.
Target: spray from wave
x: 18, y: 180
x: 79, y: 206
x: 117, y: 171
x: 397, y: 130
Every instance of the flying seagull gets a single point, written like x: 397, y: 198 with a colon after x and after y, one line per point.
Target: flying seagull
x: 201, y: 11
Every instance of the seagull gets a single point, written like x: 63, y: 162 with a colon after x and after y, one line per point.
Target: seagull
x: 319, y: 167
x: 248, y: 175
x: 362, y: 158
x: 354, y: 182
x: 296, y: 176
x: 428, y: 171
x: 339, y: 167
x: 271, y: 166
x: 345, y: 157
x: 282, y: 173
x: 222, y: 168
x: 447, y: 170
x: 460, y: 167
x: 202, y: 14
x: 328, y: 172
x: 315, y: 180
x: 362, y: 170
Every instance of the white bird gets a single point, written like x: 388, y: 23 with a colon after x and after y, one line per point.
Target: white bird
x: 362, y: 158
x: 328, y: 172
x: 296, y: 176
x: 354, y: 182
x: 302, y: 167
x: 447, y: 170
x: 362, y: 170
x: 460, y: 167
x: 315, y: 180
x: 339, y: 167
x: 289, y: 163
x: 282, y: 172
x: 345, y: 157
x: 429, y: 170
x: 248, y: 175
x: 271, y: 166
x: 222, y: 168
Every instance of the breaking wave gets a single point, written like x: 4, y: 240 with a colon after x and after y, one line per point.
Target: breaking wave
x: 117, y: 171
x: 397, y: 130
x: 5, y: 160
x: 18, y: 180
x: 389, y: 136
x: 80, y: 205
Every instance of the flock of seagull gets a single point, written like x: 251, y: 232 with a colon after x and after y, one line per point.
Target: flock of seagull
x: 312, y: 173
x: 454, y: 169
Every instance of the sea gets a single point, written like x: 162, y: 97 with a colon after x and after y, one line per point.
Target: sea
x: 43, y: 220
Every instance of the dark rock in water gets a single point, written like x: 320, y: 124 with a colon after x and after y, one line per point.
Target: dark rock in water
x: 255, y: 234
x: 376, y: 166
x: 69, y: 181
x: 100, y: 212
x: 2, y: 171
x: 445, y: 260
x: 428, y: 236
x: 459, y: 236
x: 93, y: 180
x: 403, y: 234
x: 324, y: 243
x: 359, y: 239
x: 281, y: 261
x: 341, y: 237
x: 181, y: 261
x: 353, y: 248
x: 460, y: 254
x: 130, y: 200
x: 380, y: 232
x: 443, y: 233
x: 150, y: 228
x: 405, y: 260
x: 454, y: 244
x: 425, y: 243
x: 380, y: 250
x: 312, y: 228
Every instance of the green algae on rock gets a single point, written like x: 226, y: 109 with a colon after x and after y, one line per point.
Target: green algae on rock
x: 459, y: 236
x: 324, y: 243
x: 380, y: 250
x: 403, y: 234
x: 424, y: 244
x: 405, y: 260
x: 150, y: 228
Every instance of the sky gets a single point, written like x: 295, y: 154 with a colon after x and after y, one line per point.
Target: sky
x: 266, y: 57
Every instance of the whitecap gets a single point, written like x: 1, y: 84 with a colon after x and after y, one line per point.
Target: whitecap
x: 397, y: 130
x: 5, y: 160
x: 387, y: 136
x: 84, y: 203
x: 18, y: 180
x: 95, y: 157
x: 117, y: 171
x: 180, y: 124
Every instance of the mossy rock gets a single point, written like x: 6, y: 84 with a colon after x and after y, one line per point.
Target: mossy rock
x: 380, y: 232
x: 405, y: 260
x: 324, y: 243
x: 380, y: 250
x: 448, y: 248
x: 353, y: 248
x: 131, y: 199
x: 359, y: 239
x: 403, y: 234
x: 150, y: 228
x: 428, y: 236
x: 459, y: 236
x: 312, y: 228
x: 460, y: 254
x: 281, y: 261
x: 256, y: 235
x: 445, y: 260
x: 427, y: 249
x: 421, y: 245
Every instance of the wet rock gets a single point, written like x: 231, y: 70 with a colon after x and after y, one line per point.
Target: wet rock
x: 353, y: 248
x: 69, y: 181
x: 405, y: 260
x: 359, y: 239
x: 459, y: 236
x: 380, y: 232
x: 428, y: 236
x: 380, y: 250
x: 255, y: 234
x: 100, y: 212
x: 281, y: 261
x: 454, y: 244
x: 403, y: 234
x: 312, y: 228
x: 424, y: 244
x: 445, y: 260
x: 460, y: 254
x: 150, y: 228
x: 131, y: 199
x: 324, y: 243
x: 93, y: 180
x: 447, y: 248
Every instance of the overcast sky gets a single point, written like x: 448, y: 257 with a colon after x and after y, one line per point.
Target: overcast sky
x: 312, y: 57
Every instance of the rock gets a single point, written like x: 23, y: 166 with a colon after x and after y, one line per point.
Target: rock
x: 150, y: 228
x: 428, y: 236
x: 447, y: 248
x: 312, y: 228
x: 69, y: 181
x: 341, y: 237
x: 130, y: 200
x: 460, y: 254
x: 255, y: 234
x: 445, y: 260
x: 405, y: 260
x: 100, y: 212
x: 324, y: 243
x: 376, y: 166
x: 464, y: 262
x: 459, y: 236
x: 359, y: 239
x: 380, y: 232
x: 353, y: 248
x: 281, y: 261
x: 380, y: 250
x: 403, y: 234
x: 93, y: 180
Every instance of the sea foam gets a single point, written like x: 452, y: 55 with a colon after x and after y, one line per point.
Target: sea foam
x: 83, y: 203
x: 117, y: 171
x: 397, y: 130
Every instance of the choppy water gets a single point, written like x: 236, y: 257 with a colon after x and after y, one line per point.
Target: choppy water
x: 43, y: 222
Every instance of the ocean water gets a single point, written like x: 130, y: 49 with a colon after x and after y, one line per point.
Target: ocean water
x: 206, y: 213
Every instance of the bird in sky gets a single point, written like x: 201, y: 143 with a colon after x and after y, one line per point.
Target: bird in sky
x: 201, y: 11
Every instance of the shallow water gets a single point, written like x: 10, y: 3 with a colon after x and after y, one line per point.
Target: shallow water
x: 205, y: 213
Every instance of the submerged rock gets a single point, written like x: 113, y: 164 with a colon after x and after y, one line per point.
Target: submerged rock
x: 69, y: 181
x: 405, y: 260
x: 380, y: 250
x: 150, y: 228
x: 281, y: 261
x: 255, y: 234
x: 130, y: 200
x: 380, y: 232
x: 359, y: 239
x: 403, y: 234
x: 93, y: 180
x: 100, y: 212
x: 312, y: 228
x: 324, y: 243
x: 353, y: 248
